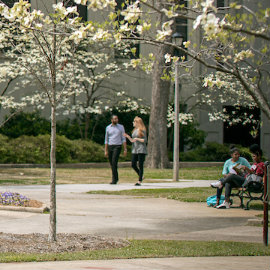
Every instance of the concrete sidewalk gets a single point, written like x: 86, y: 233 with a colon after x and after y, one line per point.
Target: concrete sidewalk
x: 79, y: 188
x: 204, y: 263
x: 136, y: 218
x: 131, y: 217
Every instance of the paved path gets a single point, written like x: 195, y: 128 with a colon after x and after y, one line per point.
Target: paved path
x: 137, y: 218
x: 125, y: 216
x: 206, y: 263
x: 121, y: 186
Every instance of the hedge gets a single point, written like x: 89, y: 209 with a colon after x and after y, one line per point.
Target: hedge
x: 213, y: 151
x: 36, y: 149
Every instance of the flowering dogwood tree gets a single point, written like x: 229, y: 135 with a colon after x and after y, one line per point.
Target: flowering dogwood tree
x: 42, y: 47
x: 91, y: 71
x: 234, y: 42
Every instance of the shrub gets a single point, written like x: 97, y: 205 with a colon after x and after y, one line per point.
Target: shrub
x: 213, y: 151
x: 88, y: 151
x: 31, y: 124
x: 31, y: 149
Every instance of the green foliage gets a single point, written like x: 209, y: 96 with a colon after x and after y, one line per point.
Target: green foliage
x: 193, y: 194
x: 31, y: 124
x: 190, y: 138
x: 31, y: 149
x: 213, y: 151
x: 88, y: 151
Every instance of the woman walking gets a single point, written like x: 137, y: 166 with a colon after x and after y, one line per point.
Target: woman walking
x: 138, y: 140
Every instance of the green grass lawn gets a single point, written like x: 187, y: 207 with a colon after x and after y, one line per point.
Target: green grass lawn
x: 191, y: 194
x: 150, y: 249
x: 41, y: 176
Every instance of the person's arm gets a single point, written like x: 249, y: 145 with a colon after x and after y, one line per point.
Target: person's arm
x: 225, y: 171
x: 106, y: 150
x: 129, y: 138
x: 246, y: 163
x: 125, y: 148
x: 139, y: 140
x: 124, y: 141
x: 142, y: 140
x: 247, y: 169
x: 106, y: 144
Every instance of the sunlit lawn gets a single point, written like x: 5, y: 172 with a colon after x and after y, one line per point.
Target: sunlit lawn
x: 26, y: 176
x: 40, y: 176
x: 149, y: 249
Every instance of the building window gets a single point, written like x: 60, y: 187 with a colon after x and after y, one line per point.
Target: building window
x: 220, y: 3
x: 238, y: 133
x: 82, y: 10
x: 9, y: 3
x: 121, y: 5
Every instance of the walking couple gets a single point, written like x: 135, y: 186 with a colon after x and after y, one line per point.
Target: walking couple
x: 115, y: 137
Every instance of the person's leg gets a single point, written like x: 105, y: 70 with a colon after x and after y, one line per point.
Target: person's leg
x: 110, y: 154
x: 219, y: 192
x: 234, y: 180
x: 115, y: 158
x: 134, y: 160
x: 228, y: 190
x: 226, y: 203
x: 141, y: 158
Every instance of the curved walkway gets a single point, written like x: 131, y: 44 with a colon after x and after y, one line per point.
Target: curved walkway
x: 137, y: 218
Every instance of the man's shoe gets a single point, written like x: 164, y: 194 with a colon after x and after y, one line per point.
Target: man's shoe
x: 217, y: 184
x: 224, y: 205
x: 137, y: 184
x: 113, y: 183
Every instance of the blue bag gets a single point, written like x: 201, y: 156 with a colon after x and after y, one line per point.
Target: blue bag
x: 212, y: 200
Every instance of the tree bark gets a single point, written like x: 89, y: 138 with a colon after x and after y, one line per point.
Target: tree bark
x: 157, y: 142
x: 87, y: 124
x: 52, y: 231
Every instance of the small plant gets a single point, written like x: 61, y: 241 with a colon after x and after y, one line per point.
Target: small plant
x: 11, y: 198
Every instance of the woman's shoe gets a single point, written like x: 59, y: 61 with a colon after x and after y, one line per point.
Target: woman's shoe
x: 217, y: 184
x: 224, y: 205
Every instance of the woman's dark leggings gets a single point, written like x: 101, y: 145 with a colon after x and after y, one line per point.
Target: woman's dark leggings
x: 230, y: 182
x: 134, y: 160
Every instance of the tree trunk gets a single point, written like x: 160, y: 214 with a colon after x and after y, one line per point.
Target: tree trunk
x: 87, y: 124
x: 52, y: 232
x: 52, y: 229
x: 157, y: 142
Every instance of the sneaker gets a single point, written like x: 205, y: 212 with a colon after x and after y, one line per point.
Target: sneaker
x: 217, y: 184
x: 224, y: 205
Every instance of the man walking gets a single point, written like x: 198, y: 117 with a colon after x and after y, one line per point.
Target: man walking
x: 114, y: 138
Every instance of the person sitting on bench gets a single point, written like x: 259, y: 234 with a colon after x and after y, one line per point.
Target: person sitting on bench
x: 229, y: 169
x: 235, y: 180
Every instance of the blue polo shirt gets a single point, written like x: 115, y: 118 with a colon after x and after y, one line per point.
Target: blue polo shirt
x: 115, y: 135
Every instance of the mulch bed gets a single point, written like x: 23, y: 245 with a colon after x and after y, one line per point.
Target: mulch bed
x: 38, y: 243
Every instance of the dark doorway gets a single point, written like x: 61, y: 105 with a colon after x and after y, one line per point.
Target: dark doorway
x: 239, y: 133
